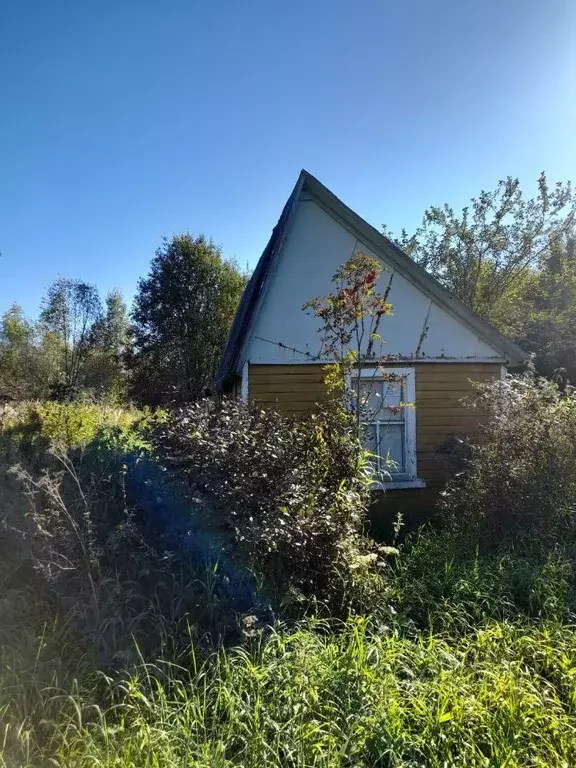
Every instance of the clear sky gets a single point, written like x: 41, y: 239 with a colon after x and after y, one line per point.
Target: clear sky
x: 125, y: 120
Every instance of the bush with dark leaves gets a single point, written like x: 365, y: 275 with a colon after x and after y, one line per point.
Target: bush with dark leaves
x: 290, y: 494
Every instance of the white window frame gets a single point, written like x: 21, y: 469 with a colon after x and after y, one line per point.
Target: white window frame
x: 408, y: 478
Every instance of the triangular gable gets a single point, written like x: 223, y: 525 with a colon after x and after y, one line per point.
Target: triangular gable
x: 453, y: 312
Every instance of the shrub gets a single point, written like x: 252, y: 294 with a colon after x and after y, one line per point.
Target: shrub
x: 291, y: 494
x: 520, y: 477
x: 67, y: 425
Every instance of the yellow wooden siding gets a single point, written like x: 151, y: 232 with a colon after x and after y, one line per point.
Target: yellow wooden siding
x: 440, y: 413
x: 291, y: 388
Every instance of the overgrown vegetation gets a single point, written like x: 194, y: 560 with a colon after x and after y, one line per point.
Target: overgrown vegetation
x: 291, y: 496
x: 521, y: 475
x: 194, y: 586
x: 68, y: 425
x: 501, y: 695
x: 132, y: 634
x: 116, y: 551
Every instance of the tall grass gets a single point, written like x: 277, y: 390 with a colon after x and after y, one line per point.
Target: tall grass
x: 468, y: 668
x: 445, y: 584
x: 503, y: 695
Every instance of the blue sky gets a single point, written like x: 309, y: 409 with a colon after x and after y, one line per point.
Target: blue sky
x: 125, y: 121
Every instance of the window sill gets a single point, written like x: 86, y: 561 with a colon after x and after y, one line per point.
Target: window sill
x: 401, y: 485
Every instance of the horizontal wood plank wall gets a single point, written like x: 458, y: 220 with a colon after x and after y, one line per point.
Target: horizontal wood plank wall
x: 440, y: 413
x: 290, y: 388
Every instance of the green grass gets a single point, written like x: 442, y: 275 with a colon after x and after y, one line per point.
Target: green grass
x: 476, y: 667
x: 502, y: 695
x: 444, y: 584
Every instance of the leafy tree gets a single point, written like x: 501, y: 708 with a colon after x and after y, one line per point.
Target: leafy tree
x: 27, y: 357
x: 16, y: 345
x: 112, y: 330
x: 513, y: 261
x: 109, y: 343
x: 182, y: 315
x: 71, y: 310
x: 545, y: 321
x: 499, y: 239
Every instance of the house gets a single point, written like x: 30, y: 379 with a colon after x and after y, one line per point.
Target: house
x: 438, y: 345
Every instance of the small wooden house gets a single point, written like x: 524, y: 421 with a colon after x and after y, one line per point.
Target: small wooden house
x: 439, y: 346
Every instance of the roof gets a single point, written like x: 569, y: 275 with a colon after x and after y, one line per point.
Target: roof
x: 393, y: 255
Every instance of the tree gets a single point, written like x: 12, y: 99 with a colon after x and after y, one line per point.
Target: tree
x: 499, y: 239
x: 71, y: 310
x: 27, y: 357
x: 351, y: 316
x: 544, y: 317
x: 109, y: 343
x: 112, y: 330
x: 16, y: 344
x: 182, y: 315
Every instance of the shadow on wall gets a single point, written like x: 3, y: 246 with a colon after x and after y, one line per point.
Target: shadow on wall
x: 413, y: 507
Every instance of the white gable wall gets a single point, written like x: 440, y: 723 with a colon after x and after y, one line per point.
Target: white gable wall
x: 316, y: 245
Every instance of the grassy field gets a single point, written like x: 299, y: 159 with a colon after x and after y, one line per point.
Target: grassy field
x: 504, y: 695
x: 469, y: 669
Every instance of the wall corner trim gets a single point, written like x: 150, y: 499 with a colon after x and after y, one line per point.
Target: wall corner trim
x: 244, y: 392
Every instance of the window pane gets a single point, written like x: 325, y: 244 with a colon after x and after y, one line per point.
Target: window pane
x: 369, y: 437
x: 392, y: 393
x: 371, y: 398
x: 391, y: 448
x: 380, y: 399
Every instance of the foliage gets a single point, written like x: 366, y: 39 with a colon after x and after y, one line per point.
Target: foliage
x: 110, y: 342
x: 521, y: 475
x: 69, y: 425
x: 182, y: 314
x: 543, y: 317
x: 351, y: 317
x: 28, y: 357
x: 290, y: 494
x: 72, y: 351
x: 513, y: 261
x: 71, y: 310
x: 87, y: 530
x: 122, y: 646
x: 480, y: 254
x: 446, y: 583
x: 502, y: 695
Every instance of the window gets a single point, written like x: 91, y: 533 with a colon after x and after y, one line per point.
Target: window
x: 389, y: 426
